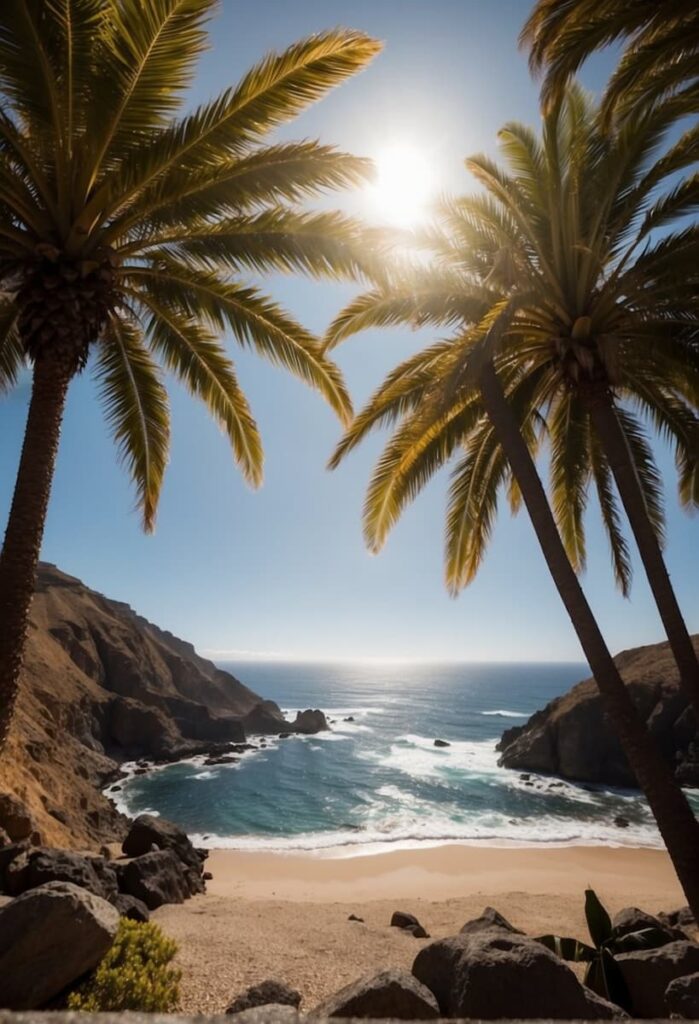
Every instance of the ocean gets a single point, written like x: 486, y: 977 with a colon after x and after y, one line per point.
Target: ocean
x: 376, y: 780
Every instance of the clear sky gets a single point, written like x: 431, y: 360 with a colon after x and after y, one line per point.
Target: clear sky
x: 283, y: 571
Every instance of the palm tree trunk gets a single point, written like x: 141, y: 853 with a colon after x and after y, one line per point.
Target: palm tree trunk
x: 675, y: 819
x: 613, y: 441
x: 25, y: 526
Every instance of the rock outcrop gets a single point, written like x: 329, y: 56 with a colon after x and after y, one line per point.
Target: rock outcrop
x: 571, y: 738
x: 102, y: 685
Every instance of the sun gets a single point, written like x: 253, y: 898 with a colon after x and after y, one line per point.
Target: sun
x: 405, y: 183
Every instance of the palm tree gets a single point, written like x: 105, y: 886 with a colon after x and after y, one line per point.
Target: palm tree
x: 544, y: 305
x: 123, y: 231
x: 659, y: 59
x: 605, y: 312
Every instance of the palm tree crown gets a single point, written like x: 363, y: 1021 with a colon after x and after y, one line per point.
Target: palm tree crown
x: 659, y: 59
x: 125, y: 228
x: 556, y: 265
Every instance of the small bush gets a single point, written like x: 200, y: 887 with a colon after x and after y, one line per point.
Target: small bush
x: 134, y: 974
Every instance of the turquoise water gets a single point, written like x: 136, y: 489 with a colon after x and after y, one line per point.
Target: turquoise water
x: 379, y: 779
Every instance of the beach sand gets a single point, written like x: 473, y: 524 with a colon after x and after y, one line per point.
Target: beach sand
x: 286, y: 916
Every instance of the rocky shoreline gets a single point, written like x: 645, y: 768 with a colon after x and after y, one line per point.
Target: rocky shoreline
x: 103, y: 687
x: 570, y: 737
x: 62, y: 909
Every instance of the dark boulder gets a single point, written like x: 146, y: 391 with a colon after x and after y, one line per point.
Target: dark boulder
x: 155, y: 878
x: 131, y: 907
x: 392, y: 994
x: 491, y: 975
x: 408, y: 923
x: 50, y: 937
x: 682, y: 997
x: 635, y: 929
x: 400, y: 919
x: 267, y: 992
x: 442, y: 743
x: 648, y: 973
x: 353, y: 917
x: 37, y: 866
x: 147, y: 831
x: 489, y: 919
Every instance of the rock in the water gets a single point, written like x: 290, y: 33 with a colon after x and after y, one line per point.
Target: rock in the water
x: 37, y: 866
x: 270, y: 992
x: 442, y: 743
x: 489, y: 919
x: 621, y: 822
x: 648, y: 973
x: 131, y: 907
x: 309, y: 722
x: 155, y: 878
x: 15, y: 819
x: 571, y: 737
x: 264, y: 718
x: 491, y: 975
x: 50, y: 937
x: 392, y: 994
x: 682, y: 997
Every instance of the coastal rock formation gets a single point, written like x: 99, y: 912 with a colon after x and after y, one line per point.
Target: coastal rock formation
x: 570, y: 737
x: 49, y: 937
x: 102, y: 685
x: 495, y: 975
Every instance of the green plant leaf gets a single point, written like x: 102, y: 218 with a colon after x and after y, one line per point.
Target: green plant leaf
x: 615, y: 988
x: 598, y: 921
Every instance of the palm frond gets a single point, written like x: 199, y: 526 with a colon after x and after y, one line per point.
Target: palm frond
x: 12, y: 358
x: 254, y: 319
x: 136, y: 408
x: 201, y: 364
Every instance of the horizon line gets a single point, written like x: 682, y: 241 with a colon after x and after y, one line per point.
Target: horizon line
x: 242, y: 655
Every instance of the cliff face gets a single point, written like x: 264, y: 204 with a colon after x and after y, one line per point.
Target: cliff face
x: 570, y: 737
x: 102, y: 685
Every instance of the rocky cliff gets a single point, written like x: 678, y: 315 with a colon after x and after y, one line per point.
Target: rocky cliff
x: 570, y: 737
x: 102, y: 685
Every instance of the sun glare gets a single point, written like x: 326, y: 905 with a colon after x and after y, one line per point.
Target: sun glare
x: 404, y: 185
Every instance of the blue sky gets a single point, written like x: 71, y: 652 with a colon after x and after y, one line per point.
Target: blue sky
x: 283, y: 571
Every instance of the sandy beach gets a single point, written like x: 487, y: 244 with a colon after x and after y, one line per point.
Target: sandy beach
x: 286, y: 916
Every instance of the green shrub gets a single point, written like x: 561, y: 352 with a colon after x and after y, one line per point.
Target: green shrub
x: 134, y: 974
